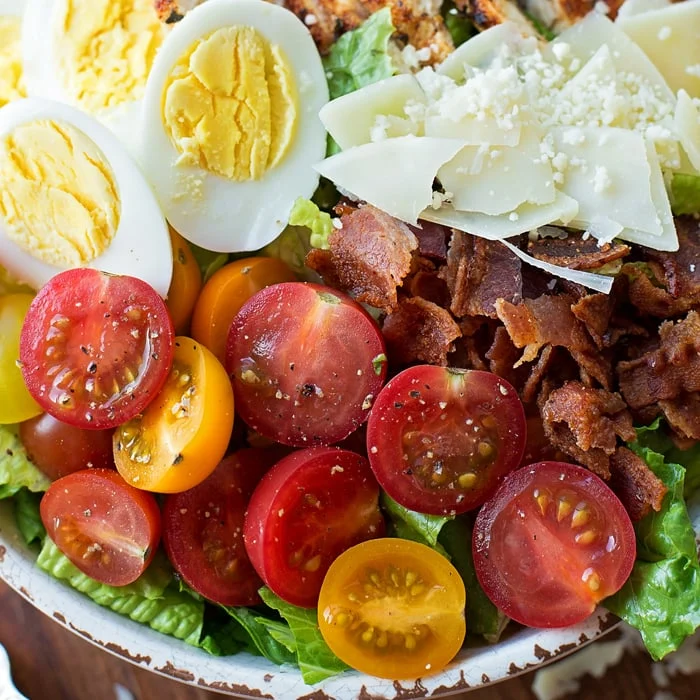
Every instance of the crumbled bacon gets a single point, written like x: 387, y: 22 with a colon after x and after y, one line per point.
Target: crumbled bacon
x: 595, y: 311
x: 478, y: 273
x: 419, y: 331
x: 585, y: 424
x: 432, y: 240
x: 368, y: 258
x: 639, y: 489
x: 428, y: 285
x: 576, y: 252
x: 549, y: 320
x: 683, y: 414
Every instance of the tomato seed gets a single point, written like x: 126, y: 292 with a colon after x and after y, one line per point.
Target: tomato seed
x: 581, y: 515
x: 467, y: 480
x: 564, y: 509
x: 587, y: 537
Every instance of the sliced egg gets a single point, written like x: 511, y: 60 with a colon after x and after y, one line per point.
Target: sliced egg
x: 12, y: 8
x: 230, y: 126
x: 92, y: 54
x: 11, y: 72
x: 70, y: 196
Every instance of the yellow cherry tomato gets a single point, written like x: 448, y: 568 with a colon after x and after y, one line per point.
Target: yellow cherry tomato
x: 185, y: 285
x: 16, y: 404
x: 224, y: 294
x: 393, y: 608
x: 184, y: 433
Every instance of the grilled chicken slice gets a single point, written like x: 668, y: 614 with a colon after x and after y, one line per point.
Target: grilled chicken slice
x: 489, y: 13
x: 171, y: 11
x: 560, y: 14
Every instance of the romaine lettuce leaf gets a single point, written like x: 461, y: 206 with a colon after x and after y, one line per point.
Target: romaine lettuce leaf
x: 16, y: 471
x: 360, y: 57
x: 316, y: 661
x: 28, y: 517
x: 209, y: 262
x: 685, y: 194
x: 662, y: 596
x: 306, y: 213
x: 410, y: 525
x: 458, y: 24
x: 153, y: 599
x: 483, y: 617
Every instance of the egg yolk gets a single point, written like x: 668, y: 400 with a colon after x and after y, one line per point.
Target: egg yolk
x: 230, y: 104
x: 105, y: 49
x: 11, y: 83
x: 58, y: 197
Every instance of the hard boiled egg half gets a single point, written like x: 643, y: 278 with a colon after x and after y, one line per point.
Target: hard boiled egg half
x: 70, y: 196
x: 230, y: 127
x: 11, y: 78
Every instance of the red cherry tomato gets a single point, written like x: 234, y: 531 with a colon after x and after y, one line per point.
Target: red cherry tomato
x: 59, y: 449
x: 108, y: 529
x: 552, y: 542
x: 306, y: 363
x: 440, y: 440
x: 311, y: 506
x: 95, y: 348
x: 203, y: 529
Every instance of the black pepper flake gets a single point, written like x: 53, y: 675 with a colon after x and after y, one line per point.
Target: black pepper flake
x: 84, y: 350
x: 308, y: 390
x: 414, y: 394
x: 178, y: 459
x: 154, y: 355
x: 398, y: 404
x: 9, y: 452
x: 92, y: 367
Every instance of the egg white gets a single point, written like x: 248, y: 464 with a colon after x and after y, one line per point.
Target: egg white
x: 141, y: 244
x: 12, y: 8
x: 228, y: 216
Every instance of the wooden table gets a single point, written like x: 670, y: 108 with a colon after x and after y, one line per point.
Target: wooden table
x: 50, y: 663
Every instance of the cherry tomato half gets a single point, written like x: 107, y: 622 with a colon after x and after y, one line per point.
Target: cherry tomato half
x: 95, y: 348
x: 306, y: 363
x: 393, y: 608
x: 16, y: 403
x: 203, y: 529
x: 59, y: 449
x: 108, y: 529
x: 440, y: 440
x: 552, y: 542
x: 185, y: 284
x: 311, y: 506
x: 224, y: 294
x: 184, y: 433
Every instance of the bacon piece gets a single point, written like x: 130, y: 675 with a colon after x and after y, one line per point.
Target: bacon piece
x: 503, y: 356
x: 577, y: 253
x: 683, y: 414
x: 537, y: 373
x: 639, y: 489
x: 368, y: 257
x: 585, y: 424
x: 595, y: 311
x: 549, y: 320
x: 432, y: 240
x: 428, y: 285
x: 667, y: 372
x: 419, y: 331
x: 478, y: 273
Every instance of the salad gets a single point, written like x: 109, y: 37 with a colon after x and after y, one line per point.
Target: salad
x: 345, y: 333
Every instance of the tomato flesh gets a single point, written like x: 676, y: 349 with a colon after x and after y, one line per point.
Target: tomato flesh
x: 440, y: 440
x: 95, y: 348
x: 311, y: 506
x: 306, y: 363
x: 203, y: 529
x: 184, y: 432
x: 185, y: 285
x: 552, y: 542
x: 393, y: 608
x: 108, y: 529
x: 59, y: 449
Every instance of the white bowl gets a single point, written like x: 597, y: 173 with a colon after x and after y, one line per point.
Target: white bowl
x: 254, y: 677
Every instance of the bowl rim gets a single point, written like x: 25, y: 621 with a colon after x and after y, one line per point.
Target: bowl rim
x: 254, y: 677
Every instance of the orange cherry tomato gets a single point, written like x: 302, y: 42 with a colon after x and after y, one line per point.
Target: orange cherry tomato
x: 226, y: 292
x: 185, y: 285
x: 184, y: 433
x: 393, y: 608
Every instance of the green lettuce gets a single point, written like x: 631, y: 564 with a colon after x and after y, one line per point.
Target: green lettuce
x: 152, y: 599
x: 662, y: 595
x: 685, y: 194
x: 16, y: 470
x: 209, y: 262
x: 306, y: 213
x: 483, y: 617
x: 410, y: 525
x: 360, y: 57
x: 28, y: 517
x: 315, y: 659
x: 258, y: 637
x: 458, y: 24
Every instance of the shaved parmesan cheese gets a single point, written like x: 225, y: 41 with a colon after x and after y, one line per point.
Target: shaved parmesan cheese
x: 480, y: 50
x: 604, y: 229
x: 671, y: 56
x: 687, y: 120
x: 600, y: 283
x: 349, y: 119
x: 668, y: 240
x: 630, y: 8
x: 587, y: 36
x: 472, y: 131
x: 395, y: 175
x: 501, y: 179
x: 609, y: 176
x: 525, y: 218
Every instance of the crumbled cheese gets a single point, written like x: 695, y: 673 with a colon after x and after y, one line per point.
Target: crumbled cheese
x: 693, y: 70
x: 601, y: 179
x: 310, y: 20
